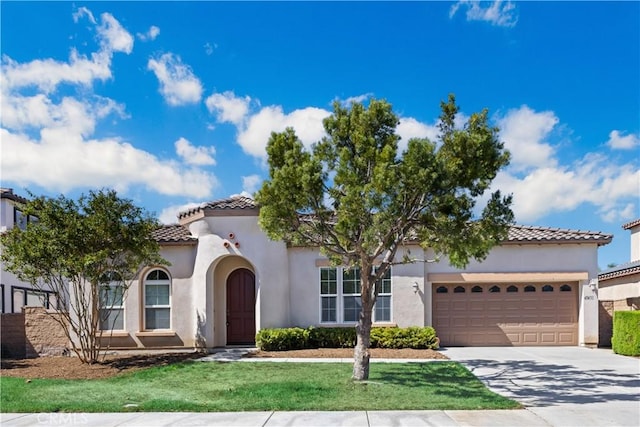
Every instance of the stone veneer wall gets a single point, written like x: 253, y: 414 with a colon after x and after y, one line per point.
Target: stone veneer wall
x: 605, y: 317
x: 12, y: 335
x: 44, y: 336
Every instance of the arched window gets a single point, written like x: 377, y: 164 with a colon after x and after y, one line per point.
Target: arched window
x: 459, y: 290
x: 476, y: 289
x: 529, y: 288
x: 157, y: 300
x: 442, y: 290
x: 547, y: 288
x: 494, y: 288
x: 565, y: 288
x: 512, y: 288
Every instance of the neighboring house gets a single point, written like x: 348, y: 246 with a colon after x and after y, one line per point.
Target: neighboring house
x: 15, y: 293
x: 619, y: 287
x: 227, y: 280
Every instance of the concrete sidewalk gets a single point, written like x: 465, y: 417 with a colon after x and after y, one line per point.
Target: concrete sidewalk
x: 515, y: 418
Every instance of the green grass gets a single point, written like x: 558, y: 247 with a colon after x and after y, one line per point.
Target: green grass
x: 212, y: 386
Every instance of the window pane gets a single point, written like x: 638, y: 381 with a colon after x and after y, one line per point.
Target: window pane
x: 156, y: 295
x: 329, y: 312
x: 157, y: 318
x: 157, y: 275
x: 111, y: 296
x: 383, y: 285
x: 111, y: 319
x: 18, y: 300
x: 383, y: 309
x: 352, y: 307
x: 351, y: 281
x: 36, y: 299
x: 328, y: 281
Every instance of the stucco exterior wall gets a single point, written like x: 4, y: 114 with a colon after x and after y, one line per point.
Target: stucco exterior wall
x: 635, y: 243
x: 619, y: 288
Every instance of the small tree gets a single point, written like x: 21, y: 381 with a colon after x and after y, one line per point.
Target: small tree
x: 357, y: 199
x: 88, y: 252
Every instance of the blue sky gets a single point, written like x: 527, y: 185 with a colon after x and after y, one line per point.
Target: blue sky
x: 172, y: 103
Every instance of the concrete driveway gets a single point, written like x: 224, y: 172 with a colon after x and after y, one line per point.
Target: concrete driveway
x: 565, y: 386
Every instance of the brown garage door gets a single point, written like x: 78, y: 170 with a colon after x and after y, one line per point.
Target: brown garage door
x: 506, y: 314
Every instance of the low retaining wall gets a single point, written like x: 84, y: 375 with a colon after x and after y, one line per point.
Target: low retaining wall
x: 12, y: 335
x: 32, y: 333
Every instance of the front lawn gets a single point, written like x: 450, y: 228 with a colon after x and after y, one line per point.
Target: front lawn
x: 214, y: 386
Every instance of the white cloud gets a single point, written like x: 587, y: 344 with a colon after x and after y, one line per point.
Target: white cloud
x: 592, y: 183
x: 409, y: 128
x: 523, y: 132
x: 169, y: 215
x: 498, y: 13
x: 251, y: 183
x: 209, y: 48
x: 150, y: 35
x: 178, y: 84
x: 62, y: 161
x: 618, y: 141
x: 83, y: 11
x: 228, y: 107
x: 47, y: 74
x: 307, y: 123
x: 355, y: 99
x: 113, y: 36
x: 48, y: 139
x: 195, y: 155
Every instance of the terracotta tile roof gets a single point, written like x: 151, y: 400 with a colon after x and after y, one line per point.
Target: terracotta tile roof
x: 631, y: 224
x: 7, y: 193
x: 231, y: 203
x: 175, y: 233
x: 530, y: 234
x: 619, y: 271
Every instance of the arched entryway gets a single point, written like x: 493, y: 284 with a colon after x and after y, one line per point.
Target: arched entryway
x: 241, y: 307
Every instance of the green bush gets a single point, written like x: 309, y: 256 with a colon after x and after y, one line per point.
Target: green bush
x: 283, y: 339
x: 332, y: 337
x: 412, y: 337
x: 626, y: 333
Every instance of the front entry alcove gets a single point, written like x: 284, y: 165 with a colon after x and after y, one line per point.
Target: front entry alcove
x: 234, y: 302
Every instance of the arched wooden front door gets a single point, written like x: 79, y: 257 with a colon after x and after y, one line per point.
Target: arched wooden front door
x: 241, y: 307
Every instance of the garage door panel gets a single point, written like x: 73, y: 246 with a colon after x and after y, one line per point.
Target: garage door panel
x: 506, y: 318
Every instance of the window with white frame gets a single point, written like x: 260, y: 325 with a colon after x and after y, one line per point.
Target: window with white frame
x: 157, y: 300
x: 340, y: 296
x: 112, y: 306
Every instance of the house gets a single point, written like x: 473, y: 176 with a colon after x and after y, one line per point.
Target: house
x: 619, y: 287
x: 15, y: 293
x: 227, y: 280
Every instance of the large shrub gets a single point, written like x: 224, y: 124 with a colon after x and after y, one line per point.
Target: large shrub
x: 626, y: 333
x: 281, y: 339
x: 344, y: 337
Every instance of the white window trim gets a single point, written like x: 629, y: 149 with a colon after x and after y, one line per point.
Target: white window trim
x: 144, y: 300
x: 339, y: 296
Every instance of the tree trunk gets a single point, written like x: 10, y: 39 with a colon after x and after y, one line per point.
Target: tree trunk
x: 361, y: 353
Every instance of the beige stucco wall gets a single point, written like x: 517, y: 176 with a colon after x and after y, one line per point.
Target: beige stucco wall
x: 635, y: 243
x: 619, y: 288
